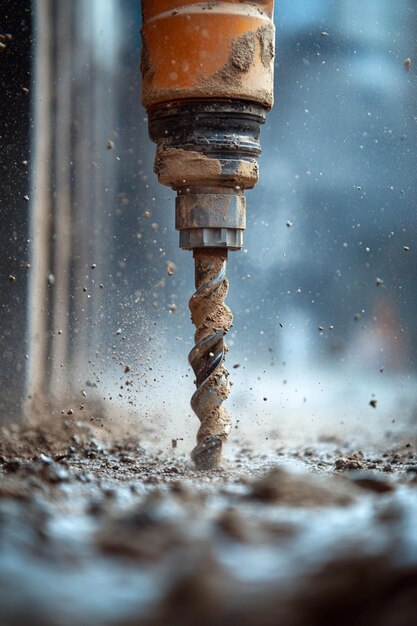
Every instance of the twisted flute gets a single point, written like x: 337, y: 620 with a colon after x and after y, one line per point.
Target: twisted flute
x: 212, y: 319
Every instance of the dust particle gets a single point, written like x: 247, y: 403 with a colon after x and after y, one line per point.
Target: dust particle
x: 407, y: 64
x: 170, y: 268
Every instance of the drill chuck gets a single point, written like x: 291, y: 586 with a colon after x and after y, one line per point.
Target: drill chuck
x: 208, y: 152
x: 210, y: 218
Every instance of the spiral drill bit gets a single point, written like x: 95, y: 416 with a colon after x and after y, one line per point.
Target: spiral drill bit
x: 212, y: 319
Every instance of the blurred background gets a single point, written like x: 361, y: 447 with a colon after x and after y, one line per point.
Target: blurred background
x: 324, y: 293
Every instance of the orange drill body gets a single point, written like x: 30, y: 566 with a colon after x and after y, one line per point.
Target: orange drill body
x: 208, y: 50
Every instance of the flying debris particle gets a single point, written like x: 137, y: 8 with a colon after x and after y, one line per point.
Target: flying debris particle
x: 289, y: 224
x: 174, y: 443
x: 324, y: 33
x: 2, y: 46
x: 281, y: 324
x: 172, y: 308
x: 83, y: 393
x: 110, y: 145
x: 378, y: 282
x: 26, y: 198
x: 12, y: 278
x: 406, y: 248
x: 25, y: 91
x: 381, y: 369
x: 373, y: 403
x: 51, y: 280
x: 236, y: 365
x: 93, y: 266
x: 70, y: 412
x: 265, y: 399
x: 357, y: 317
x: 127, y: 369
x: 170, y: 268
x: 320, y: 328
x: 119, y: 331
x: 147, y: 214
x: 331, y: 327
x: 407, y: 64
x: 25, y: 163
x: 154, y: 226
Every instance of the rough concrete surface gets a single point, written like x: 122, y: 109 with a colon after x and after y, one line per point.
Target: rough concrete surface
x: 97, y: 531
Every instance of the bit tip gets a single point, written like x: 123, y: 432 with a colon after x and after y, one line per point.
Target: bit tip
x: 207, y: 454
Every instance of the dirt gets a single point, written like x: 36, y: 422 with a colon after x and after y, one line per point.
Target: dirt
x: 98, y: 531
x: 266, y: 37
x: 247, y: 174
x: 213, y: 314
x: 176, y: 167
x: 241, y: 58
x: 233, y: 76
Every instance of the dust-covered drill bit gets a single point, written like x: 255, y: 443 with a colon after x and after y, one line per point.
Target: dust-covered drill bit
x: 212, y: 319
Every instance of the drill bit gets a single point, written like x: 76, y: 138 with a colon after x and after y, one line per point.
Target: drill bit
x: 212, y: 319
